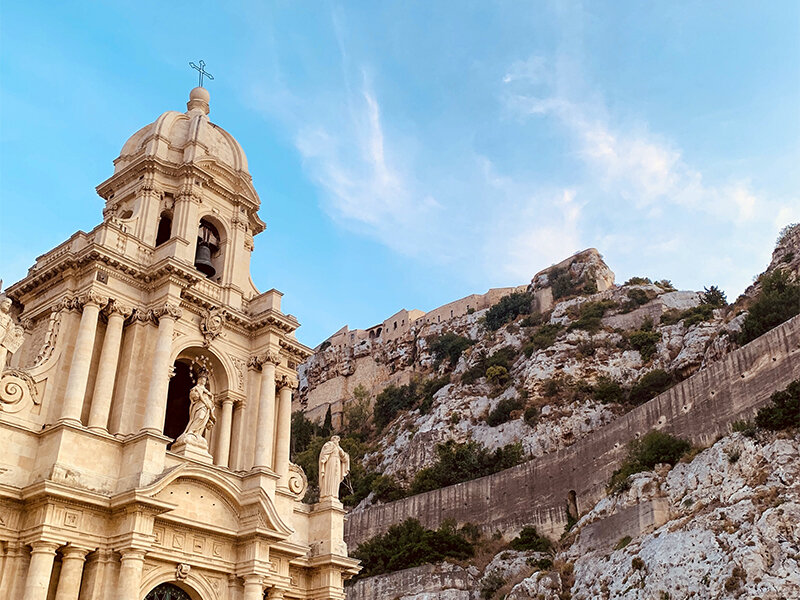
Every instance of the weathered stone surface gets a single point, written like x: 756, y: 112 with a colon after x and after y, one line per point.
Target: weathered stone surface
x: 444, y: 581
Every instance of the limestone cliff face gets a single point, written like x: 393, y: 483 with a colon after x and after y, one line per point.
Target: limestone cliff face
x: 552, y: 377
x: 725, y: 527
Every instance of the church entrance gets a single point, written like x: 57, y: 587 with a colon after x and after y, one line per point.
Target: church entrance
x: 177, y: 416
x: 167, y: 591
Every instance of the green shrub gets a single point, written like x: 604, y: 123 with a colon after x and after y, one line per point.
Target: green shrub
x: 497, y: 375
x: 623, y: 542
x: 561, y: 283
x: 507, y: 309
x: 746, y: 428
x: 409, y: 544
x: 544, y: 337
x: 650, y: 385
x: 542, y: 564
x: 638, y: 281
x: 590, y: 315
x: 690, y: 316
x: 426, y: 390
x: 391, y: 401
x: 666, y: 285
x: 502, y: 412
x: 714, y: 296
x: 491, y: 583
x: 448, y: 346
x: 531, y: 416
x: 638, y: 296
x: 504, y: 357
x: 303, y: 431
x: 777, y: 301
x: 645, y: 453
x: 535, y: 319
x: 529, y: 539
x: 462, y: 462
x: 387, y: 489
x: 784, y: 412
x: 645, y: 340
x: 607, y: 390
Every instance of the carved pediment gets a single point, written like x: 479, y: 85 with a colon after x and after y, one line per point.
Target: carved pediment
x: 205, y: 498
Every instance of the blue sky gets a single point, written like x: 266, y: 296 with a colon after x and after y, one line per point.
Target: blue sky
x: 410, y: 153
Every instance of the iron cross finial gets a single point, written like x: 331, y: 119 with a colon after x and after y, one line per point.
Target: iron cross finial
x: 202, y: 71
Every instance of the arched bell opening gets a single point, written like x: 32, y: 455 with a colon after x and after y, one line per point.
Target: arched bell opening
x: 164, y: 232
x: 208, y: 255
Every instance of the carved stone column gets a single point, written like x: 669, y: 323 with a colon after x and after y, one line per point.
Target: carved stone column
x: 156, y: 403
x: 107, y: 368
x: 237, y: 436
x: 81, y: 359
x: 224, y: 435
x: 266, y: 411
x: 130, y: 574
x: 253, y: 589
x: 69, y: 581
x: 284, y: 430
x: 39, y: 570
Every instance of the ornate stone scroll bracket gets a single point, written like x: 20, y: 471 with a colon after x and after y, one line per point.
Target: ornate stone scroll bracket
x: 297, y: 480
x: 92, y: 298
x: 116, y: 307
x: 17, y: 390
x: 212, y: 324
x: 269, y: 357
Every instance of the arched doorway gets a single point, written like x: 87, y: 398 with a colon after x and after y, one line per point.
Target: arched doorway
x: 167, y: 591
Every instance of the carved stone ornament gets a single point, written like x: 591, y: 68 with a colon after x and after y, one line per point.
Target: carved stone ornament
x: 116, y: 307
x: 169, y: 311
x: 182, y: 571
x: 17, y: 389
x: 298, y: 482
x: 270, y: 356
x: 212, y: 324
x: 50, y: 337
x: 287, y: 382
x: 93, y: 298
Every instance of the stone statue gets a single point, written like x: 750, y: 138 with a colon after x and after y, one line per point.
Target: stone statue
x: 201, y: 415
x: 334, y: 465
x: 10, y: 333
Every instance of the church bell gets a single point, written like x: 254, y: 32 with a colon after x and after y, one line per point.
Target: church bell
x: 202, y: 260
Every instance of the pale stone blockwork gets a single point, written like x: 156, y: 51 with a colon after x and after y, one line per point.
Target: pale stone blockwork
x: 118, y: 328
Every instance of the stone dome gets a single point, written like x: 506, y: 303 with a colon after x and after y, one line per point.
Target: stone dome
x: 189, y: 137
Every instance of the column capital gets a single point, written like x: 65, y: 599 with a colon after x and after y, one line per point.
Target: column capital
x: 287, y: 382
x: 92, y: 299
x: 70, y: 551
x: 252, y: 578
x: 270, y: 357
x: 142, y: 314
x: 276, y: 593
x: 44, y: 547
x: 132, y: 553
x: 115, y: 307
x: 168, y: 311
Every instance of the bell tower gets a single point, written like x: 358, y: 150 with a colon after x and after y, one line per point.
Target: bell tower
x: 181, y: 186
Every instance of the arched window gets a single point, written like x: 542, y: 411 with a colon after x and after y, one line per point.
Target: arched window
x: 167, y: 591
x: 164, y: 228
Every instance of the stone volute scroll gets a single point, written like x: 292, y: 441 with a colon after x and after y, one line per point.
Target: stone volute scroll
x: 334, y: 466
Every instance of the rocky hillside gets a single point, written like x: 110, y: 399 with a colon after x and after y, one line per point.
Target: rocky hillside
x: 729, y: 530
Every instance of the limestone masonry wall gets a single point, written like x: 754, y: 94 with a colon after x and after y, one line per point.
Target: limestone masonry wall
x: 700, y: 408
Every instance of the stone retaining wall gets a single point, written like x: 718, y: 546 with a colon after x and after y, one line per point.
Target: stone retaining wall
x: 700, y: 409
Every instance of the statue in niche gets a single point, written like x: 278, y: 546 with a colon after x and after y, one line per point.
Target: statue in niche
x: 334, y: 466
x: 10, y: 333
x: 201, y: 415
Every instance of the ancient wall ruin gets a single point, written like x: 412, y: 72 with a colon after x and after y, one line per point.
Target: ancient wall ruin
x: 700, y: 408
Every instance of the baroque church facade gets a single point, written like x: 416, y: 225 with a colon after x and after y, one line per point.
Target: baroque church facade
x: 145, y: 402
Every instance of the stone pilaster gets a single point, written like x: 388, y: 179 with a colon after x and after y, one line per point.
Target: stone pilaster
x: 69, y: 581
x: 266, y: 411
x: 81, y: 358
x: 107, y: 368
x: 156, y: 403
x: 253, y: 587
x: 222, y: 455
